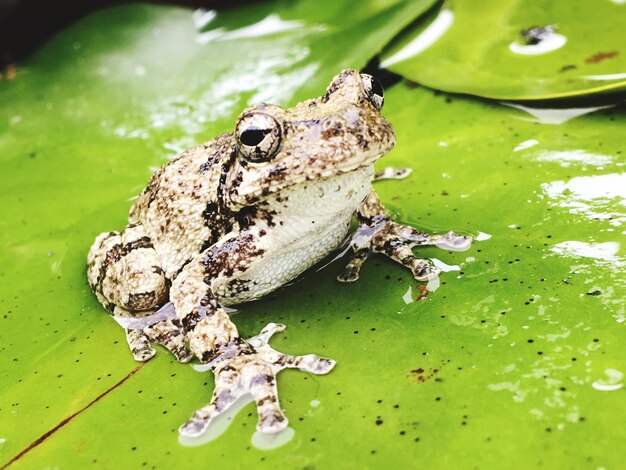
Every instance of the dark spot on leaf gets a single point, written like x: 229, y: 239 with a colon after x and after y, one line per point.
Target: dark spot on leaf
x: 601, y: 56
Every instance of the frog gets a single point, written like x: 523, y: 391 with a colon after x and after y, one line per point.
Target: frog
x: 233, y: 219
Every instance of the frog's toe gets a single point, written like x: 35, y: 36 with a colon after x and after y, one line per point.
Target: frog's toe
x: 311, y: 363
x: 183, y: 355
x: 391, y: 173
x: 272, y: 328
x: 139, y: 345
x: 425, y: 271
x: 193, y: 427
x: 144, y: 355
x: 169, y: 334
x: 263, y: 389
x: 348, y: 275
x: 266, y: 333
x: 454, y: 241
x: 272, y: 423
x: 351, y: 271
x: 324, y: 366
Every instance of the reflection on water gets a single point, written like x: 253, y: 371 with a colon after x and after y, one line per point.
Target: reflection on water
x: 201, y: 17
x: 525, y: 145
x: 550, y: 41
x: 407, y: 298
x: 264, y: 441
x: 612, y: 382
x: 271, y: 24
x: 424, y: 40
x: 602, y: 251
x: 566, y: 158
x: 598, y: 197
x: 542, y: 383
x: 265, y: 74
x: 445, y: 268
x: 554, y: 115
x: 612, y: 76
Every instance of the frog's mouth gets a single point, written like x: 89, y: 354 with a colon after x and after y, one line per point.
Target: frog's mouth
x: 248, y: 186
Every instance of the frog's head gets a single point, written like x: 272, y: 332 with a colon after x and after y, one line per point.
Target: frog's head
x: 339, y: 132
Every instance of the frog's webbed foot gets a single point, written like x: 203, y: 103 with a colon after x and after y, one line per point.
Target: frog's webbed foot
x: 391, y: 173
x: 250, y: 368
x: 167, y: 333
x: 378, y: 234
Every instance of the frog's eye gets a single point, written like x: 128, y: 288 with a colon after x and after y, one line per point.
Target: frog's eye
x: 374, y: 90
x: 258, y: 137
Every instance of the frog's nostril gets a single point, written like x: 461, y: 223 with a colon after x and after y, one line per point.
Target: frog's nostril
x: 333, y: 127
x: 333, y: 123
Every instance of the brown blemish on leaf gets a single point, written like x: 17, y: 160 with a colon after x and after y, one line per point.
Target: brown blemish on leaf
x: 601, y: 56
x: 419, y: 375
x: 423, y: 292
x: 65, y: 421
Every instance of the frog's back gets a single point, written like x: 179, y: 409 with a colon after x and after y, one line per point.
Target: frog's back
x: 181, y: 207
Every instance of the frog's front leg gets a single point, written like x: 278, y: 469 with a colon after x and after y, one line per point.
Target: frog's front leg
x: 124, y: 272
x: 240, y: 367
x: 378, y: 234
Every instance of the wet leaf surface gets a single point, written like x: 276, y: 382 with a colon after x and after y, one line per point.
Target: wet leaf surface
x: 516, y: 50
x: 83, y: 123
x: 516, y: 357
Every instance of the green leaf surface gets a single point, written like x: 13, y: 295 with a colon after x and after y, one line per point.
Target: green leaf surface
x: 516, y: 360
x: 81, y: 127
x: 474, y: 48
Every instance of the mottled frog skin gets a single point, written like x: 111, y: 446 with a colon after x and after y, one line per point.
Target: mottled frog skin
x: 235, y: 218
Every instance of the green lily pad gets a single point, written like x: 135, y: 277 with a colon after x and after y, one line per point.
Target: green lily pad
x: 514, y: 50
x: 82, y: 125
x: 515, y: 359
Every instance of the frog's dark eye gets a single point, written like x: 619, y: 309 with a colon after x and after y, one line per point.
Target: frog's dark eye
x: 374, y: 90
x: 258, y: 137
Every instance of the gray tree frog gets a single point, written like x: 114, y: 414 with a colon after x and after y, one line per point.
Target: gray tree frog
x: 237, y: 217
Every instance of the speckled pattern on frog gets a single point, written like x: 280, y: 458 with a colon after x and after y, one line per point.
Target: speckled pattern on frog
x: 235, y: 218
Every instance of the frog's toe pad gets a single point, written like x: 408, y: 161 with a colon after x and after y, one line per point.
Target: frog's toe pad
x: 193, y: 428
x: 144, y: 355
x: 139, y: 345
x: 348, y: 275
x: 272, y: 423
x: 427, y: 273
x: 183, y: 356
x: 455, y: 242
x: 324, y: 366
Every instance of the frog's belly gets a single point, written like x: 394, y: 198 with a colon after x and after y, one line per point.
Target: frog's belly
x: 270, y: 273
x: 315, y: 223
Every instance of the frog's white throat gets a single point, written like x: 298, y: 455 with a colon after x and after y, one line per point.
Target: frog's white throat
x: 300, y: 226
x: 334, y: 196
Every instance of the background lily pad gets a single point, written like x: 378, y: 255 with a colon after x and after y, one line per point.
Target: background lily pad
x: 478, y: 48
x: 515, y: 359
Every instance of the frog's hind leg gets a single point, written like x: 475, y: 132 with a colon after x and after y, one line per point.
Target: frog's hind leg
x: 378, y: 234
x: 124, y: 272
